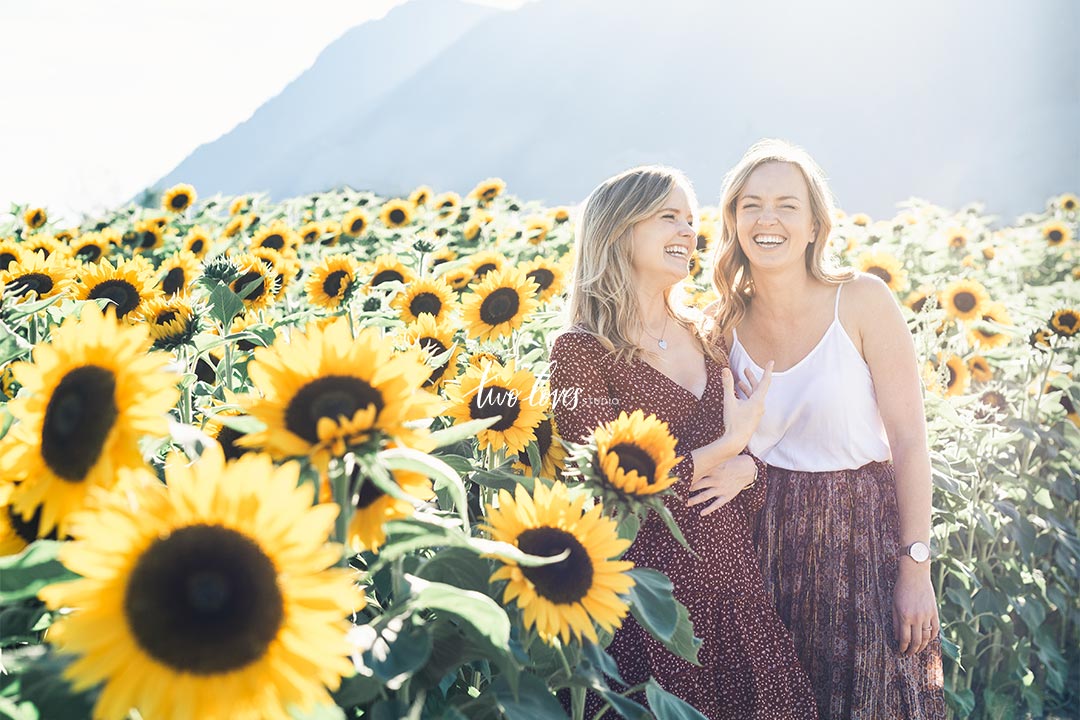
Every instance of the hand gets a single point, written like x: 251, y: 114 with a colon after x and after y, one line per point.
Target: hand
x: 723, y: 483
x: 741, y: 416
x: 915, y: 612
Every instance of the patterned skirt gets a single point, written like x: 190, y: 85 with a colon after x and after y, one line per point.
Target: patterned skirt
x: 829, y: 547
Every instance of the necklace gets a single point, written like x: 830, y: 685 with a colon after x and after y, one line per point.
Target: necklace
x: 659, y: 340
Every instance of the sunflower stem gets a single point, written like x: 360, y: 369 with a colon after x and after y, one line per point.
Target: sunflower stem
x: 339, y: 484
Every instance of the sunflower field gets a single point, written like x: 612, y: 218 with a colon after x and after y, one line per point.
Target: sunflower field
x: 298, y: 460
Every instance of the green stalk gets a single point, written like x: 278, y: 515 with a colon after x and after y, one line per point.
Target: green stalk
x: 339, y: 484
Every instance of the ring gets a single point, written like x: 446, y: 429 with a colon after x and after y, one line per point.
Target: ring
x: 929, y: 628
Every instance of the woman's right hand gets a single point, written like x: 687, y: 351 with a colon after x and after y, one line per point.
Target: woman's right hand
x: 723, y: 483
x: 742, y: 414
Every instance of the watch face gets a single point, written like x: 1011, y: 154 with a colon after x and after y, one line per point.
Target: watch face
x: 919, y: 552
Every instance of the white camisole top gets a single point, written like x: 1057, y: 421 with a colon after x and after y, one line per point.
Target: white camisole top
x: 821, y: 414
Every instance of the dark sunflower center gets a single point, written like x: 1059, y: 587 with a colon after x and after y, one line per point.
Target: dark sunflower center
x: 542, y: 277
x: 1069, y: 204
x: 204, y: 600
x: 958, y: 241
x: 366, y: 494
x: 500, y: 306
x: 917, y: 306
x: 40, y: 283
x: 6, y: 259
x: 564, y: 582
x: 164, y: 317
x: 1067, y: 403
x: 425, y: 302
x: 333, y: 285
x: 632, y: 457
x: 397, y: 216
x: 78, y: 419
x: 387, y: 276
x: 702, y: 242
x: 87, y: 253
x: 250, y: 286
x: 179, y: 201
x: 227, y: 438
x: 483, y: 270
x: 311, y: 235
x: 964, y: 301
x: 197, y: 245
x: 174, y: 281
x: 147, y: 239
x: 274, y: 241
x: 435, y: 347
x: 332, y: 396
x: 1067, y: 321
x: 994, y: 399
x: 952, y: 375
x: 543, y: 441
x: 356, y: 226
x: 1054, y: 236
x: 496, y: 401
x: 121, y: 292
x: 881, y: 272
x: 26, y: 530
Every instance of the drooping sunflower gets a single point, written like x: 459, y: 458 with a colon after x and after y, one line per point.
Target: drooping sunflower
x: 38, y: 277
x: 964, y: 299
x: 487, y: 190
x: 178, y: 273
x: 178, y: 198
x: 958, y: 378
x: 1067, y: 202
x: 492, y: 389
x: 372, y: 508
x: 547, y: 275
x: 1056, y: 233
x: 127, y: 285
x: 435, y: 339
x: 980, y: 368
x: 355, y: 223
x: 565, y: 598
x: 257, y: 283
x: 387, y: 268
x: 552, y: 452
x: 1065, y: 322
x: 957, y: 237
x: 210, y: 597
x: 396, y: 213
x: 10, y: 252
x: 427, y: 295
x: 447, y: 205
x: 331, y: 281
x: 420, y: 196
x: 635, y: 454
x: 323, y: 391
x: 35, y: 217
x: 276, y: 236
x: 499, y: 304
x: 173, y: 321
x: 885, y: 266
x: 93, y: 392
x: 1040, y: 339
x: 984, y: 334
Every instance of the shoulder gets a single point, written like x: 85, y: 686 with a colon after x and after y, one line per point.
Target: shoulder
x: 867, y: 295
x: 575, y: 342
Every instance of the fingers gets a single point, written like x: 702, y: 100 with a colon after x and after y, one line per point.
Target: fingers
x: 750, y: 377
x: 729, y: 384
x: 719, y: 503
x: 903, y: 636
x: 766, y: 380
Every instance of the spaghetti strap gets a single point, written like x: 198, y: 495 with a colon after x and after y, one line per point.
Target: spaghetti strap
x: 836, y: 308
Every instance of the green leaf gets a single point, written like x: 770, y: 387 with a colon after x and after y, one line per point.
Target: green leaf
x: 458, y: 566
x: 225, y: 305
x: 400, y: 649
x: 461, y: 431
x: 357, y: 690
x: 672, y: 526
x: 21, y: 576
x: 532, y: 701
x: 666, y: 706
x: 1042, y: 497
x: 434, y: 468
x: 477, y: 610
x: 43, y: 684
x: 12, y: 345
x: 654, y: 606
x: 535, y: 463
x: 244, y: 424
x: 319, y: 712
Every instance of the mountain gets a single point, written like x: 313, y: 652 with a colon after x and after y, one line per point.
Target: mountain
x: 953, y: 102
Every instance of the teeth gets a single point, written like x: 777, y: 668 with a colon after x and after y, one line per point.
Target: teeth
x: 768, y: 240
x: 676, y: 250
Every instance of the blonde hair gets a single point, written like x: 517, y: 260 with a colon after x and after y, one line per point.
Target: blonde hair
x: 601, y: 301
x: 732, y: 278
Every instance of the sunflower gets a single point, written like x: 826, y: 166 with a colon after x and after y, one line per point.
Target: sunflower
x: 396, y: 213
x: 10, y: 252
x: 1040, y: 339
x: 560, y: 214
x: 90, y: 247
x: 372, y: 507
x: 428, y: 295
x: 44, y: 243
x: 537, y: 229
x: 331, y: 233
x: 435, y: 338
x: 1056, y: 233
x: 499, y: 303
x: 964, y: 299
x: 442, y: 255
x: 487, y: 190
x: 447, y: 205
x: 355, y: 223
x: 178, y: 198
x: 35, y: 218
x: 988, y: 252
x: 172, y: 321
x: 37, y: 276
x: 276, y: 236
x: 209, y: 597
x: 148, y: 236
x: 458, y: 278
x: 635, y: 454
x: 239, y: 205
x: 310, y: 232
x: 992, y: 402
x: 331, y: 281
x: 198, y: 241
x: 1065, y: 322
x: 547, y: 275
x: 957, y: 237
x: 15, y: 533
x: 471, y: 233
x: 958, y: 376
x: 257, y: 283
x: 227, y: 437
x: 492, y: 390
x: 420, y: 196
x: 323, y: 391
x: 980, y: 368
x: 1068, y: 202
x: 126, y: 286
x: 482, y: 263
x: 89, y: 395
x: 233, y: 227
x: 66, y: 236
x: 283, y: 267
x: 387, y: 268
x: 565, y: 598
x: 1070, y: 409
x: 885, y: 266
x: 178, y: 272
x: 983, y: 334
x: 551, y: 450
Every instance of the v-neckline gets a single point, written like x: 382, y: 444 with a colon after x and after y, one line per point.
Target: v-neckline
x: 708, y: 377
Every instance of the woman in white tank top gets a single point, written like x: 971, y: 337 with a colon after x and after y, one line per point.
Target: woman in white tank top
x: 844, y: 533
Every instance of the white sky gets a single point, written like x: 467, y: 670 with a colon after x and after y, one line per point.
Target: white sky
x: 103, y: 97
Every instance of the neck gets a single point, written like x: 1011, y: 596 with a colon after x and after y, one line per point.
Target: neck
x: 652, y: 309
x: 782, y: 293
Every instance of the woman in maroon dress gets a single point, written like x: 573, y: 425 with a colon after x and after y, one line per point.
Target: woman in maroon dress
x: 630, y: 348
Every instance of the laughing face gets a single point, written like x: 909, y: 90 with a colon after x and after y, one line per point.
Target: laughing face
x: 663, y: 242
x: 773, y: 216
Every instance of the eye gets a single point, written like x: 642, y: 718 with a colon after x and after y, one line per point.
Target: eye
x: 788, y: 207
x: 749, y: 206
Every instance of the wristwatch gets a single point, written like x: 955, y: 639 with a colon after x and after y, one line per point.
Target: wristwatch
x: 917, y: 551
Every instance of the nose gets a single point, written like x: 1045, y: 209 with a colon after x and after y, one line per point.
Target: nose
x: 767, y: 216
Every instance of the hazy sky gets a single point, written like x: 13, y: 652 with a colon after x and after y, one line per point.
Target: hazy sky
x: 104, y: 97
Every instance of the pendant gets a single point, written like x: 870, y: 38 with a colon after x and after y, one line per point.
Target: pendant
x: 662, y: 344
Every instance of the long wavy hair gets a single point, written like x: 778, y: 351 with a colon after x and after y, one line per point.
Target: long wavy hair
x: 732, y: 278
x: 601, y: 300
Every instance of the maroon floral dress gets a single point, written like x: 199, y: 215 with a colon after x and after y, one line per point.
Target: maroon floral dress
x: 749, y: 669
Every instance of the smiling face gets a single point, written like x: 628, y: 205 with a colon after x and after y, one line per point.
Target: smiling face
x: 774, y: 218
x: 662, y: 242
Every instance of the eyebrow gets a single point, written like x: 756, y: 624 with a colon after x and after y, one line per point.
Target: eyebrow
x: 782, y: 197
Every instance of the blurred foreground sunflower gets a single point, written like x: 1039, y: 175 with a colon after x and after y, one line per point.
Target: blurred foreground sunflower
x: 372, y: 507
x: 211, y: 597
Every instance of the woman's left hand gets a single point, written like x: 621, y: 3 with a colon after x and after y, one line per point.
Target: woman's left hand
x: 915, y: 612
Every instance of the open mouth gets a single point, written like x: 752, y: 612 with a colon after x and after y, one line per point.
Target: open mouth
x: 678, y: 251
x: 769, y: 241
